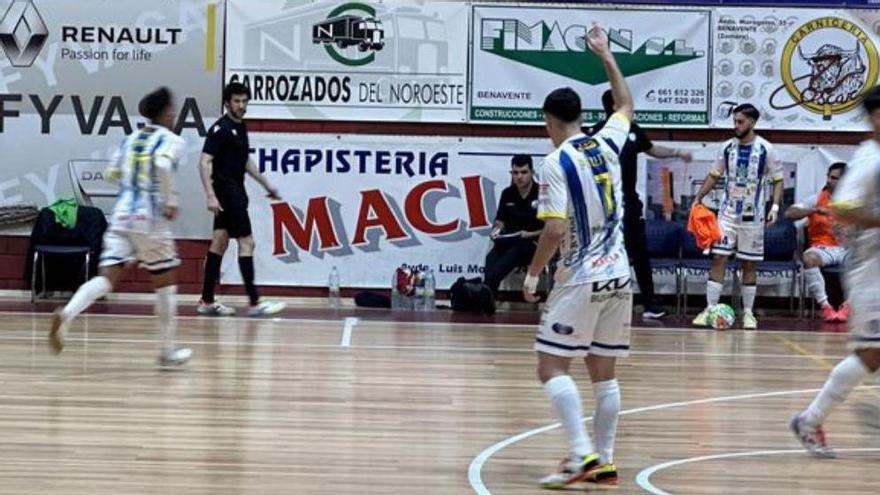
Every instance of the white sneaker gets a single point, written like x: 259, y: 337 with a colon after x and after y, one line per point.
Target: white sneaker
x: 571, y: 471
x: 811, y: 438
x: 749, y: 321
x: 58, y: 331
x: 702, y: 319
x: 266, y: 308
x: 214, y: 309
x: 174, y: 358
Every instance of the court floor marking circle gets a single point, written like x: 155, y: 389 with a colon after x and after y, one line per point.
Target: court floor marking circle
x: 475, y: 477
x: 644, y: 477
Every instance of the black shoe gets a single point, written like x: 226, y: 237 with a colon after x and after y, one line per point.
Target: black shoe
x: 653, y: 312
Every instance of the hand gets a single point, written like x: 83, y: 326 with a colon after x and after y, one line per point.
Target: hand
x: 495, y: 233
x: 272, y: 192
x: 530, y: 286
x: 213, y: 205
x: 686, y: 156
x: 170, y: 212
x: 597, y: 40
x: 771, y: 217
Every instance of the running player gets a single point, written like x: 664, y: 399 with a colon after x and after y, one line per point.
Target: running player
x: 856, y: 204
x: 745, y: 163
x: 139, y: 231
x: 589, y: 310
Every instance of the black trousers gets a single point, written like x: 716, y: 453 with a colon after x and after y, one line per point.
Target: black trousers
x: 503, y: 259
x: 636, y: 249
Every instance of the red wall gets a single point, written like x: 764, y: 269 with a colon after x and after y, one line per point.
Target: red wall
x: 14, y: 249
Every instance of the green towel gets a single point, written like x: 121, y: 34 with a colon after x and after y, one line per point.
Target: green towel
x: 65, y: 211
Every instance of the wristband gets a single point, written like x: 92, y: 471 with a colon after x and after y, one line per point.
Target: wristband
x: 530, y: 284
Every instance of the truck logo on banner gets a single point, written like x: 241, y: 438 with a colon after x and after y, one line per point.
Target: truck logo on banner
x: 339, y: 32
x: 825, y: 77
x: 22, y: 33
x: 563, y: 51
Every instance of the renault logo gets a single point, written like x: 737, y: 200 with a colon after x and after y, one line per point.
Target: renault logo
x: 22, y: 33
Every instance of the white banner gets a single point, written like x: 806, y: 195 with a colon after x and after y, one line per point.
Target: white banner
x: 71, y: 77
x: 367, y: 204
x: 377, y: 61
x: 805, y: 69
x: 521, y: 53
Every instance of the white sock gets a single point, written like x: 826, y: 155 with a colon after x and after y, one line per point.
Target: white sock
x: 748, y: 296
x: 846, y: 376
x: 607, y: 396
x: 166, y: 316
x: 816, y: 285
x: 566, y: 401
x: 713, y: 292
x: 87, y: 293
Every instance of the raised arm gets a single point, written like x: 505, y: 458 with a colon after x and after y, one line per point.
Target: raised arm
x: 597, y: 40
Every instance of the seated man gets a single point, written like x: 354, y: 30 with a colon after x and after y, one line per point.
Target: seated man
x: 825, y: 247
x: 517, y: 227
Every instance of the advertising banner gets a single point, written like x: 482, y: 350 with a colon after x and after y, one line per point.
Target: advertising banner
x: 71, y: 77
x: 805, y: 69
x: 377, y: 61
x: 521, y: 53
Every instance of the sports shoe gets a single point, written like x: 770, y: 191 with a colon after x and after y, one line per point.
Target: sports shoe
x: 214, y: 309
x: 653, y: 312
x: 812, y: 439
x: 843, y: 312
x: 266, y: 308
x: 702, y: 319
x: 828, y: 313
x: 174, y: 358
x: 571, y: 471
x: 749, y: 321
x: 605, y: 476
x: 58, y: 331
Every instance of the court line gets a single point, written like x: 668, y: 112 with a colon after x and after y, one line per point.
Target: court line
x: 475, y: 468
x: 349, y: 325
x: 644, y: 477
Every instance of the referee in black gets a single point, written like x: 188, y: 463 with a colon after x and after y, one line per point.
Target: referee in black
x: 225, y: 160
x: 633, y: 220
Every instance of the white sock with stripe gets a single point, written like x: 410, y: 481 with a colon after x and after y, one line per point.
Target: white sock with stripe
x: 566, y: 401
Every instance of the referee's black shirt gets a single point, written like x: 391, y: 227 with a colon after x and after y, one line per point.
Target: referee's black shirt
x: 227, y: 142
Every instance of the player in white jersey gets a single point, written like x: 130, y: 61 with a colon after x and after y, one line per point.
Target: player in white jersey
x: 745, y: 162
x: 589, y: 309
x: 139, y: 230
x: 856, y: 203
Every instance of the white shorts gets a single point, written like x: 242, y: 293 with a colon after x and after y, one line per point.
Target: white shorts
x: 830, y: 255
x: 746, y: 239
x: 864, y: 319
x: 591, y: 318
x: 153, y: 251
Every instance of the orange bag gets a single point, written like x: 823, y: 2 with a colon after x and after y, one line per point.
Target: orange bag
x: 703, y: 224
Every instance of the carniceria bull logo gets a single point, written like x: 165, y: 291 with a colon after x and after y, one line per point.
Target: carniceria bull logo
x: 826, y: 66
x: 562, y: 49
x: 348, y: 26
x: 22, y: 33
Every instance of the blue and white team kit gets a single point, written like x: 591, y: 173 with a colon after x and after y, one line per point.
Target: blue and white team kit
x: 589, y: 309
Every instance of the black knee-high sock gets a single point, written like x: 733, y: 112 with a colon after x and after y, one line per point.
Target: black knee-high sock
x: 246, y: 265
x: 212, y: 274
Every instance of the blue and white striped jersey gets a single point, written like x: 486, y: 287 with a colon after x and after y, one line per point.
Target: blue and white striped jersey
x: 746, y: 168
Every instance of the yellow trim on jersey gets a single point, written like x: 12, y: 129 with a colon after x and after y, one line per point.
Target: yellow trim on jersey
x: 846, y: 205
x: 777, y: 179
x: 621, y: 117
x: 552, y: 214
x: 715, y: 173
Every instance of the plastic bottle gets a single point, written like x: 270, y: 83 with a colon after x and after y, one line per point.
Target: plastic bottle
x: 419, y: 298
x: 430, y: 289
x: 333, y: 289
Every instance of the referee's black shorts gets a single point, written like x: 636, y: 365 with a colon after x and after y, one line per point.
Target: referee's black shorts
x: 235, y: 221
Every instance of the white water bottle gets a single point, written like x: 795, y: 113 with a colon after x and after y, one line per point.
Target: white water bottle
x: 333, y: 289
x: 430, y: 289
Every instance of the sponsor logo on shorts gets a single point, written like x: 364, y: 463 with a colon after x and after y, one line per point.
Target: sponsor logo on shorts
x: 562, y: 329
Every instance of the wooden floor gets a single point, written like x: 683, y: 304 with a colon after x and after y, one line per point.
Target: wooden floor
x: 321, y: 407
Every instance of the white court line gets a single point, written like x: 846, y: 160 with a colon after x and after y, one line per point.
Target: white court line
x: 644, y: 477
x: 475, y: 477
x: 350, y: 323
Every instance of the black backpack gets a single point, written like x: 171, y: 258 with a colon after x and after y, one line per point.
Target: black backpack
x: 472, y: 295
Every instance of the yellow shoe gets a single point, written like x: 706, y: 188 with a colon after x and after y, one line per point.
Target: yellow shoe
x: 603, y: 477
x: 571, y: 471
x: 58, y: 332
x: 702, y: 319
